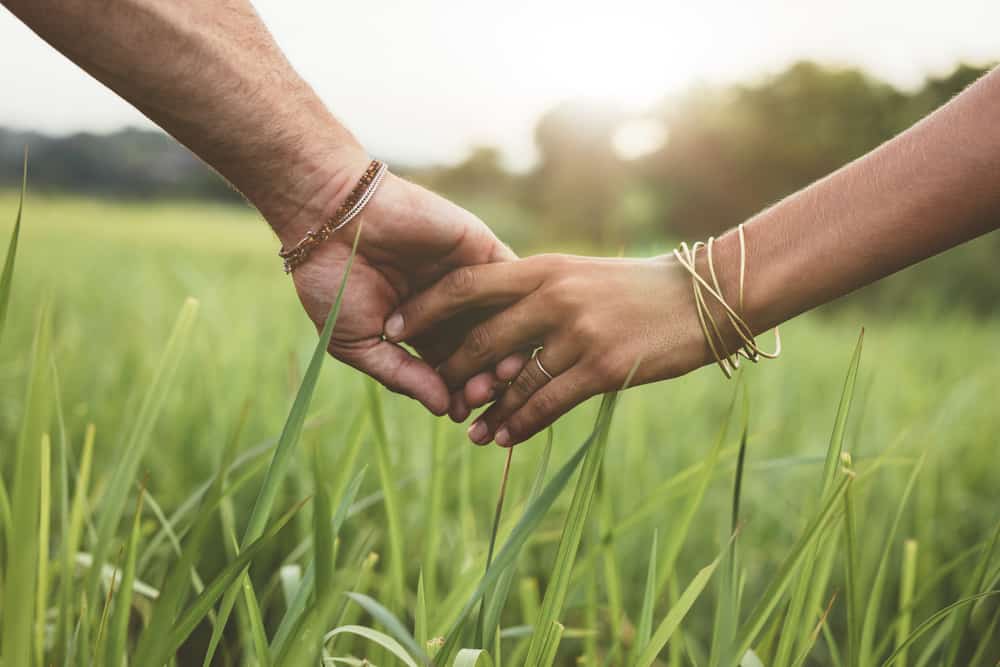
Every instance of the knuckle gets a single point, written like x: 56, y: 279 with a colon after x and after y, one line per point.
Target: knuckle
x: 527, y: 421
x: 478, y: 341
x: 585, y: 329
x: 459, y: 282
x: 560, y: 295
x: 553, y: 259
x: 541, y: 408
x: 524, y: 384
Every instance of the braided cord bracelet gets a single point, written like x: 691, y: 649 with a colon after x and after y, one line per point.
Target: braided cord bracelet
x: 728, y: 361
x: 362, y: 193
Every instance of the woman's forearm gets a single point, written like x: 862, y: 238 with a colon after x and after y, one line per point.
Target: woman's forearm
x: 931, y: 188
x: 212, y: 76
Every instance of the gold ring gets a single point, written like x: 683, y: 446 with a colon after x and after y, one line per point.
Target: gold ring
x: 538, y: 362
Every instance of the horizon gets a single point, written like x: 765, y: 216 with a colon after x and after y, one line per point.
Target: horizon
x: 512, y: 69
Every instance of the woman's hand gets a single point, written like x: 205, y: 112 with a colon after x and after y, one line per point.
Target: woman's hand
x: 595, y: 319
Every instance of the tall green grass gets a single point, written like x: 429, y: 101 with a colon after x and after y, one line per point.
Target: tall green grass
x: 114, y: 554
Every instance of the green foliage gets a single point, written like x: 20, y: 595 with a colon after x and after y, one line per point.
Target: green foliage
x: 22, y: 542
x: 7, y: 276
x: 660, y: 479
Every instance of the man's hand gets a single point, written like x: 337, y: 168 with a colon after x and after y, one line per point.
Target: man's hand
x: 410, y: 238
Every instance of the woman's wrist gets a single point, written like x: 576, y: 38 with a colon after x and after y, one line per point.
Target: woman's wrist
x: 751, y: 301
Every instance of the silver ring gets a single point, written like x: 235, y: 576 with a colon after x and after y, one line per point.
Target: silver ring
x: 538, y: 362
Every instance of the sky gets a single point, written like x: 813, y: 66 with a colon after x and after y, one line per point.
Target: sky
x: 441, y: 76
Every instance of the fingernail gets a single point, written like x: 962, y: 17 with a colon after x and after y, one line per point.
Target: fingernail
x: 502, y: 437
x: 477, y: 432
x: 394, y: 325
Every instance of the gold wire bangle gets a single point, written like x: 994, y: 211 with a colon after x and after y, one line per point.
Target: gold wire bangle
x: 728, y: 361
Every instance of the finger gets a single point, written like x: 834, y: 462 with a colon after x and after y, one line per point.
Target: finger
x: 508, y: 368
x: 401, y: 372
x: 507, y: 332
x: 480, y: 389
x: 459, y: 409
x: 470, y: 286
x: 485, y: 387
x: 535, y: 375
x: 546, y: 405
x: 437, y: 343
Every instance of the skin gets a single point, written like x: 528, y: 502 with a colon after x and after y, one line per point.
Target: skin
x: 933, y: 187
x: 211, y: 75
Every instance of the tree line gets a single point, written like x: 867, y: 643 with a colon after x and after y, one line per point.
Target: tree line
x: 729, y: 151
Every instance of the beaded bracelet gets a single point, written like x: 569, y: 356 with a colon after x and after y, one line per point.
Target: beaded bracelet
x: 360, y: 196
x: 728, y: 361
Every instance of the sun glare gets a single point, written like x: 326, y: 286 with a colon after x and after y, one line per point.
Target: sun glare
x: 639, y: 137
x: 629, y: 54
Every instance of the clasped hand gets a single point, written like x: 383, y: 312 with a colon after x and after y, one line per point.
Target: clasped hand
x: 430, y: 274
x: 593, y: 319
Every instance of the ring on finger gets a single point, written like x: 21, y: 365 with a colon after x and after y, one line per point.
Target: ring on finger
x: 536, y: 355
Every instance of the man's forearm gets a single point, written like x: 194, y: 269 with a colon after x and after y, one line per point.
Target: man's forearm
x: 933, y: 187
x: 212, y: 76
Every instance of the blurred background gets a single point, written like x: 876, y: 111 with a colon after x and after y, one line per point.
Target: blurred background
x: 594, y: 128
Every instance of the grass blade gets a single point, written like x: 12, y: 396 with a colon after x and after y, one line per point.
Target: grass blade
x: 820, y: 625
x: 851, y: 580
x: 986, y: 641
x: 482, y: 638
x: 136, y: 442
x: 680, y: 527
x: 579, y: 510
x: 933, y: 620
x: 198, y: 609
x: 906, y: 585
x: 677, y: 612
x: 377, y: 637
x: 472, y: 657
x: 7, y: 277
x: 175, y: 583
x: 256, y: 623
x: 392, y: 625
x: 420, y: 615
x: 550, y: 645
x: 791, y: 637
x: 390, y: 501
x: 976, y: 583
x: 532, y: 516
x: 66, y: 567
x: 100, y: 650
x: 874, y: 594
x: 44, y: 519
x: 290, y: 434
x: 297, y: 609
x: 118, y: 630
x: 23, y: 548
x: 435, y: 512
x: 497, y: 599
x: 643, y: 633
x: 727, y: 609
x: 758, y: 616
x: 322, y: 525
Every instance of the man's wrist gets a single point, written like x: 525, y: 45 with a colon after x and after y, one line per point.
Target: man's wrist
x: 314, y: 185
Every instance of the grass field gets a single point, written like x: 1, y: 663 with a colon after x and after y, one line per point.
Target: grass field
x: 818, y: 573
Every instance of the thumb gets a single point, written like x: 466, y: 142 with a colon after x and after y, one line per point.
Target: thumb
x: 401, y: 372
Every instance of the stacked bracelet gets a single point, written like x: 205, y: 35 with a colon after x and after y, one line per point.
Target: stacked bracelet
x: 347, y: 211
x: 728, y: 361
